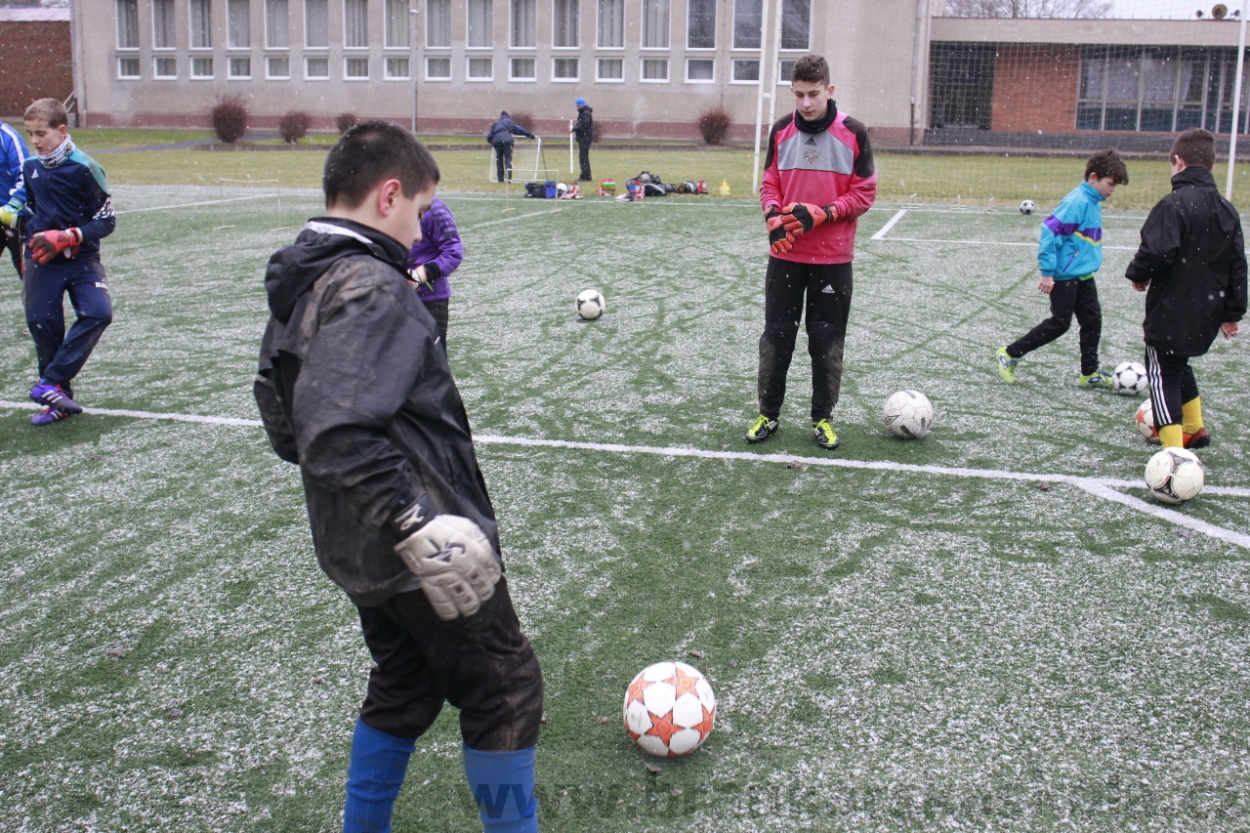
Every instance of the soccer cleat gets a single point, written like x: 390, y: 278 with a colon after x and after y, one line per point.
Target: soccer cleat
x: 1097, y: 379
x: 50, y: 415
x: 760, y: 429
x: 1199, y: 439
x: 826, y: 437
x: 1006, y: 365
x: 54, y: 396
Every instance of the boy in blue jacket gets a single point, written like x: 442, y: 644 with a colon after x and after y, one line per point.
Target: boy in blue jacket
x: 1069, y: 252
x: 13, y: 153
x: 70, y: 210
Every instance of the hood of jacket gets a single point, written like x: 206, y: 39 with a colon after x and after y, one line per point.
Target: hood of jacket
x: 322, y: 241
x: 1193, y: 175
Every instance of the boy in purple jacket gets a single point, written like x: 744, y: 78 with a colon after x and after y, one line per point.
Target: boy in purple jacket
x: 432, y: 258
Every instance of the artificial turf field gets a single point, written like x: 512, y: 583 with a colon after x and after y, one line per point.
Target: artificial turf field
x: 990, y: 629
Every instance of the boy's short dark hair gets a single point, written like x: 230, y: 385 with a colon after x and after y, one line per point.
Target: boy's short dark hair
x: 1107, y: 163
x: 811, y: 68
x: 47, y: 109
x: 1196, y: 146
x: 371, y: 152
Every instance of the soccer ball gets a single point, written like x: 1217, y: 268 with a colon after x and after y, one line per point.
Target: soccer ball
x: 1175, y: 475
x: 1144, y: 419
x: 1129, y: 378
x: 669, y: 709
x: 908, y: 414
x: 590, y: 304
x: 1027, y: 207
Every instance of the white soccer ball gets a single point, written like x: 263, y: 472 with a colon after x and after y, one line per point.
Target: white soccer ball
x: 1129, y: 378
x: 1144, y: 419
x: 1175, y: 475
x: 590, y: 304
x: 1027, y: 207
x: 669, y: 709
x: 908, y: 414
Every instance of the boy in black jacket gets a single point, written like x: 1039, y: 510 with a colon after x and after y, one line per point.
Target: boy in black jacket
x: 1192, y: 267
x: 354, y: 387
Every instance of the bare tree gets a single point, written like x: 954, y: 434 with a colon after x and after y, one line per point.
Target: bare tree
x: 1028, y: 8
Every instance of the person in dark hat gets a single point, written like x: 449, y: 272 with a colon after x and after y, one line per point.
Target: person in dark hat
x: 584, y: 130
x: 500, y: 138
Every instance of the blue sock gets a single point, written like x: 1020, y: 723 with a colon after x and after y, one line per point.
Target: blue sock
x: 374, y: 776
x: 503, y: 787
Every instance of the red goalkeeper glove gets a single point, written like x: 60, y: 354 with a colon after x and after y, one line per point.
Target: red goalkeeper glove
x: 48, y: 244
x: 780, y: 235
x: 809, y: 216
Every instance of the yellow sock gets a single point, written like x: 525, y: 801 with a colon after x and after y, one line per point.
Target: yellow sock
x: 1171, y: 436
x: 1191, y: 415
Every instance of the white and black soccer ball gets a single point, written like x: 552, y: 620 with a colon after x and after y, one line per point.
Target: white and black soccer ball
x: 908, y: 414
x: 1175, y: 475
x: 1027, y: 207
x: 1129, y: 378
x: 1144, y: 419
x: 590, y: 304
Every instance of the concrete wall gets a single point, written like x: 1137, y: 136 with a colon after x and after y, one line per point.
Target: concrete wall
x: 35, y: 62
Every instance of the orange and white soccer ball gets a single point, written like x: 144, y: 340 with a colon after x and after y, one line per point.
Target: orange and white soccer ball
x: 1144, y: 419
x: 669, y: 709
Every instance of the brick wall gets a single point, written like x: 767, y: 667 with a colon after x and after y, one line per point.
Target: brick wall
x: 1035, y: 88
x: 36, y: 61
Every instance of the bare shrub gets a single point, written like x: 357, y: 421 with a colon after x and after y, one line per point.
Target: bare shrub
x: 714, y: 125
x: 294, y: 126
x: 345, y: 122
x: 229, y: 118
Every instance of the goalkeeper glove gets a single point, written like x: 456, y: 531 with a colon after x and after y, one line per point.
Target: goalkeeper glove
x: 780, y: 237
x: 48, y: 244
x: 809, y: 216
x: 453, y: 558
x: 8, y: 214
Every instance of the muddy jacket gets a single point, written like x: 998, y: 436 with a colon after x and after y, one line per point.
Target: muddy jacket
x: 354, y: 388
x: 1193, y: 257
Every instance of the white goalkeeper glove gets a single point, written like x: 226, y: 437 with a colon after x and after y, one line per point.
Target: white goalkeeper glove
x: 454, y: 559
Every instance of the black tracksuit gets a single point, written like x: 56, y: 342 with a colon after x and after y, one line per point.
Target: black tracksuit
x: 584, y: 131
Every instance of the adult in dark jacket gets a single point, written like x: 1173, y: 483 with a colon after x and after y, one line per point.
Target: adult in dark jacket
x: 500, y: 137
x: 584, y: 131
x: 1192, y: 266
x: 354, y: 388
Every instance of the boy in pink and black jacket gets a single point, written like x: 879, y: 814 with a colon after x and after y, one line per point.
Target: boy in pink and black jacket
x: 818, y: 179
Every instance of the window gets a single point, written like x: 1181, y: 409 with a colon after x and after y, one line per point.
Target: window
x: 748, y: 17
x: 356, y: 24
x: 278, y: 66
x: 128, y: 27
x: 438, y: 27
x: 796, y: 22
x: 438, y: 69
x: 127, y: 67
x: 397, y: 68
x: 163, y: 35
x: 202, y: 30
x: 277, y: 25
x: 238, y: 29
x: 655, y: 24
x: 564, y: 32
x: 655, y: 69
x: 316, y: 68
x: 746, y: 71
x: 398, y: 26
x: 522, y: 25
x: 701, y: 25
x: 701, y: 71
x: 610, y: 69
x: 481, y: 25
x: 317, y: 28
x: 480, y: 69
x: 164, y: 67
x: 611, y: 24
x: 564, y: 69
x: 356, y: 68
x: 240, y: 68
x: 785, y: 70
x: 521, y: 69
x: 202, y: 67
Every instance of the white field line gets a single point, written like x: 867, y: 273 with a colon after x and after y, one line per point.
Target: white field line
x: 986, y: 243
x: 898, y: 215
x: 192, y: 204
x: 1102, y: 487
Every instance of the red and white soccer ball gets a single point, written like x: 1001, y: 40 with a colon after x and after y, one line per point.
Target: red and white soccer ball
x: 1129, y: 378
x: 908, y: 414
x: 1175, y: 475
x: 669, y: 709
x: 1144, y: 419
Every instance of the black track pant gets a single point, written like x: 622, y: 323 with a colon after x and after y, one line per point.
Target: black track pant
x: 1172, y: 384
x: 583, y: 157
x: 1068, y: 297
x: 13, y: 242
x: 438, y: 309
x: 821, y: 293
x: 482, y: 665
x: 503, y: 161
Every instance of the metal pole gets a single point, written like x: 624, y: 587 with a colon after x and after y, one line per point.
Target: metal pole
x: 775, y: 69
x: 412, y: 69
x: 1232, y: 139
x: 759, y: 101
